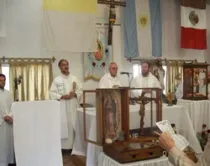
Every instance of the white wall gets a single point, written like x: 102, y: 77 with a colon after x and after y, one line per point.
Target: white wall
x: 24, y: 26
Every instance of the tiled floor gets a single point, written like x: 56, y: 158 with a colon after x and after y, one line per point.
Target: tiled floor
x: 74, y: 160
x: 69, y: 160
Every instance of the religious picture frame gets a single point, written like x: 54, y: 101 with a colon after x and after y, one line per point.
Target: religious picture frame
x: 195, y: 84
x: 95, y: 64
x: 112, y: 124
x: 112, y: 113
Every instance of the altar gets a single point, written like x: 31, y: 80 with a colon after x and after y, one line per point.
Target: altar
x: 105, y: 160
x: 175, y: 114
x: 199, y: 112
x: 37, y: 133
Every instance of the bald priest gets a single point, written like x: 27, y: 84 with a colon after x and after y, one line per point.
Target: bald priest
x: 110, y: 79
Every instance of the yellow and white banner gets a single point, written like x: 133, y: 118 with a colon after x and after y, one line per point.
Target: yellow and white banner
x: 69, y: 25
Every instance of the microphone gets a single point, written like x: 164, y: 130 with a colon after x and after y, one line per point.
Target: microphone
x: 125, y: 73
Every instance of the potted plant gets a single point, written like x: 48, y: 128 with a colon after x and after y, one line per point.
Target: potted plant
x: 203, y: 136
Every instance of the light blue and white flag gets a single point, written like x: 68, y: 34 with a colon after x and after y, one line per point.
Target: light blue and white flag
x: 142, y: 28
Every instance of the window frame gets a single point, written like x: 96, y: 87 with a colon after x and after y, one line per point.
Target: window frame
x: 5, y: 71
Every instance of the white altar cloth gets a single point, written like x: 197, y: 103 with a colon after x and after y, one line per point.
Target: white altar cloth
x: 63, y: 120
x: 199, y: 112
x: 105, y: 160
x: 175, y: 114
x: 37, y: 137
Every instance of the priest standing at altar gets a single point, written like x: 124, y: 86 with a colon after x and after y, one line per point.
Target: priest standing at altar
x: 110, y: 79
x: 68, y: 89
x: 6, y: 121
x: 145, y: 80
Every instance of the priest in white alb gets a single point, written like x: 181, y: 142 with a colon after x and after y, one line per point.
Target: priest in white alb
x: 68, y: 89
x: 110, y: 79
x: 145, y: 80
x: 6, y: 129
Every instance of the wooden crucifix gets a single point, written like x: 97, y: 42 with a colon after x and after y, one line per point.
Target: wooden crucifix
x: 142, y: 101
x: 112, y: 15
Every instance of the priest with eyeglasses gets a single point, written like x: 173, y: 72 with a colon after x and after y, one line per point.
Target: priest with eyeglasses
x: 110, y: 79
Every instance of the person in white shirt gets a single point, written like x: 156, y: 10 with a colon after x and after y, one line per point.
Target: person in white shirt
x: 145, y: 80
x: 6, y: 121
x: 67, y: 87
x: 110, y: 80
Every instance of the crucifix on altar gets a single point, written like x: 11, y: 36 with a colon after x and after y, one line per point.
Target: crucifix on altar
x: 112, y: 15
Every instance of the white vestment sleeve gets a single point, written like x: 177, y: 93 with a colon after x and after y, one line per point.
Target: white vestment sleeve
x: 10, y: 106
x: 79, y: 89
x: 101, y: 83
x: 54, y: 94
x: 179, y: 158
x: 157, y: 83
x: 134, y: 84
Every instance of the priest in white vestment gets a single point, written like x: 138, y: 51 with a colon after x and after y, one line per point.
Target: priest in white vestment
x: 111, y: 79
x: 145, y: 80
x: 67, y: 87
x: 6, y: 129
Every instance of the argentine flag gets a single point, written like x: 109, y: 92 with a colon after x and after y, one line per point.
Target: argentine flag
x: 142, y: 29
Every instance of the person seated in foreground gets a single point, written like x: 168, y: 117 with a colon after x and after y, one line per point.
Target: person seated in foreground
x: 178, y: 157
x: 179, y: 87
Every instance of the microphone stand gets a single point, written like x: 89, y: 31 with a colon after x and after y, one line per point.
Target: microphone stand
x: 130, y: 80
x: 129, y: 85
x: 17, y: 82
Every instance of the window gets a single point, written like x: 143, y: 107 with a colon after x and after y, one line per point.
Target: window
x: 5, y: 71
x: 137, y: 71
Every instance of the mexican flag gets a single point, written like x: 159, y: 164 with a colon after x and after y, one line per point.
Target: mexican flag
x: 193, y: 24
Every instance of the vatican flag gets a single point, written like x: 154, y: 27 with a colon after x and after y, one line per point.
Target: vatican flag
x: 69, y: 25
